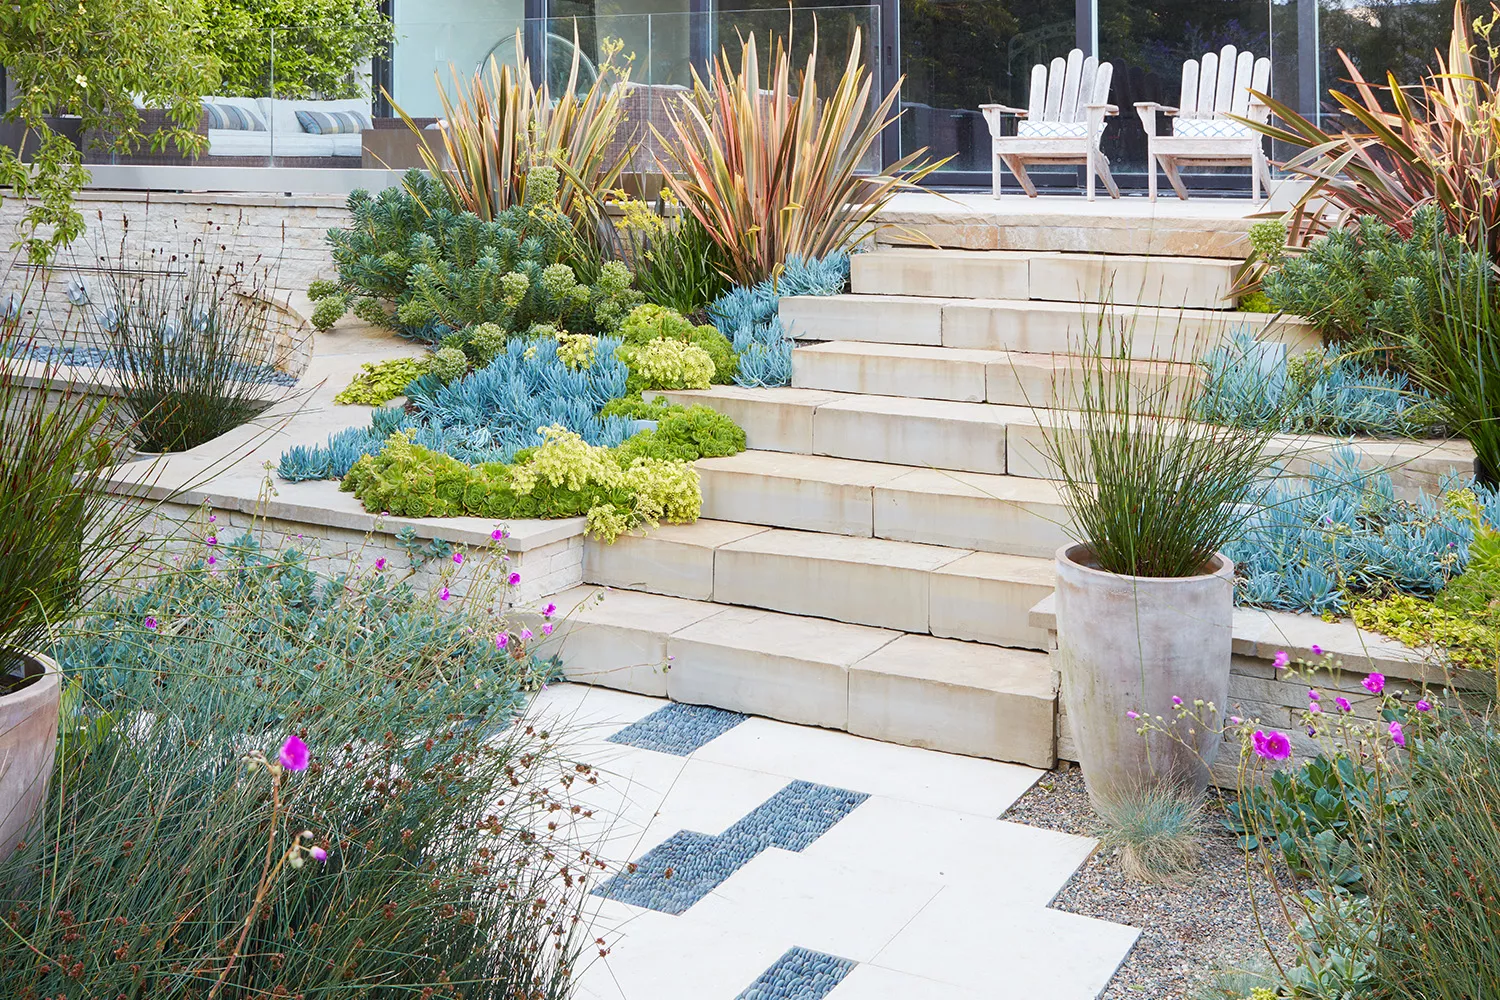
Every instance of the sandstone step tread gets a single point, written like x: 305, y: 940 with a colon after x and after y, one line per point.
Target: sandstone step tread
x: 922, y: 691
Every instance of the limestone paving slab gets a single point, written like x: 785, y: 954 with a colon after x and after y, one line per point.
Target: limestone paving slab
x: 807, y: 492
x: 869, y: 581
x: 962, y: 697
x: 989, y: 274
x: 911, y: 431
x: 893, y: 369
x: 970, y: 510
x: 672, y: 559
x: 988, y: 597
x: 774, y: 419
x: 890, y: 319
x: 1134, y: 279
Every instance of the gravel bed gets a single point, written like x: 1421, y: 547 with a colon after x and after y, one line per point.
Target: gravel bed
x: 1189, y: 929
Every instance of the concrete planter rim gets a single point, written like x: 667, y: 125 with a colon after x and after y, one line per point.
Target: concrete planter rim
x: 1068, y: 555
x: 39, y: 691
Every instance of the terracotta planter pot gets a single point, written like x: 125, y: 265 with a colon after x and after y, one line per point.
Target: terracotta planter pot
x: 1129, y: 643
x: 28, y: 743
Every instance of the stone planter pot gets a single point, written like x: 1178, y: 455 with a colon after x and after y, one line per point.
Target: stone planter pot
x: 1129, y: 643
x: 28, y: 742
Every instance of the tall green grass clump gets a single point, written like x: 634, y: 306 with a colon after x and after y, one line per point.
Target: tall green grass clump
x: 196, y: 344
x: 1151, y: 491
x: 274, y: 782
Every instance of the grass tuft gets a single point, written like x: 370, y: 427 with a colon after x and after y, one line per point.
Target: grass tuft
x: 1154, y: 831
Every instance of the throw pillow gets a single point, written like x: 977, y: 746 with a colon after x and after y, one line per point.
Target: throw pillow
x: 232, y: 117
x: 332, y: 122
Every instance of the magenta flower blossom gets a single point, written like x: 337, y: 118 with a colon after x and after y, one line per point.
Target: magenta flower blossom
x: 1423, y: 705
x: 1313, y: 695
x: 1282, y: 660
x: 1176, y: 700
x: 499, y: 534
x: 501, y: 640
x: 1375, y: 683
x: 513, y: 579
x: 444, y: 595
x: 211, y: 540
x: 547, y: 628
x: 1342, y: 703
x: 1132, y: 715
x: 212, y: 518
x: 525, y: 634
x: 1317, y: 650
x: 1314, y: 707
x: 1272, y: 745
x: 549, y: 611
x: 294, y: 754
x: 150, y: 623
x: 458, y: 558
x: 1235, y: 720
x: 1397, y: 736
x: 212, y: 560
x: 319, y: 854
x: 380, y: 564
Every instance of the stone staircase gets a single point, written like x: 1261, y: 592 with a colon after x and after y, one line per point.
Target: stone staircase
x: 871, y: 563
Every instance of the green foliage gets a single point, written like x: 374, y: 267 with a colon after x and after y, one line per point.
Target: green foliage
x: 165, y: 865
x: 1268, y: 241
x: 635, y: 408
x: 94, y: 60
x: 444, y: 270
x: 1461, y: 638
x: 1368, y: 288
x: 666, y: 364
x: 649, y: 322
x: 484, y: 341
x: 329, y: 310
x: 382, y: 381
x: 685, y: 434
x: 677, y: 264
x: 1256, y: 302
x: 1476, y: 591
x: 318, y: 45
x: 448, y: 364
x: 564, y: 477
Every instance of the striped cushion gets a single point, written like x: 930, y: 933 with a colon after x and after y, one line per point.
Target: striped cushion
x: 332, y: 122
x: 1209, y: 128
x: 1052, y: 130
x: 232, y: 117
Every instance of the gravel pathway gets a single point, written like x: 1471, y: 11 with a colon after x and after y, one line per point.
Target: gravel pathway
x: 1188, y: 929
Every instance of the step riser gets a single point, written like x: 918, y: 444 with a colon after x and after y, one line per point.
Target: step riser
x: 984, y: 523
x: 902, y: 439
x: 1015, y: 326
x: 1190, y: 283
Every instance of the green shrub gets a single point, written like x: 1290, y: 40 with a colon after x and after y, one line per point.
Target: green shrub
x: 677, y: 264
x: 382, y: 381
x: 306, y: 48
x: 447, y: 364
x: 165, y: 866
x: 564, y: 477
x: 444, y: 270
x: 1460, y: 638
x: 653, y: 322
x: 666, y: 364
x: 685, y: 435
x: 635, y: 408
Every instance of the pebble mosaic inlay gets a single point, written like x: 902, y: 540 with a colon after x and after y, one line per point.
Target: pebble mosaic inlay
x: 687, y: 866
x: 678, y: 729
x: 800, y: 974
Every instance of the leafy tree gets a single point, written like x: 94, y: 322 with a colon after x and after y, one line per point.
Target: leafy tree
x: 94, y: 59
x: 306, y: 48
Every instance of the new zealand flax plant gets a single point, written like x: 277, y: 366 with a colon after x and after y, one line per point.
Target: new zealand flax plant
x: 775, y: 174
x: 497, y: 124
x: 1437, y: 142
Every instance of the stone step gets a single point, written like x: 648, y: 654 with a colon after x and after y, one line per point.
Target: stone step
x: 1011, y: 378
x: 987, y: 513
x: 1124, y: 279
x: 942, y: 694
x: 1037, y: 327
x: 906, y: 586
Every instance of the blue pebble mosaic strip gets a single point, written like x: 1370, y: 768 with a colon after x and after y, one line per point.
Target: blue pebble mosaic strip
x: 800, y: 974
x: 678, y: 729
x: 687, y: 866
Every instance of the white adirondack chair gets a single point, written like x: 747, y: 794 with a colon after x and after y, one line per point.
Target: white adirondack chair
x: 1069, y: 103
x: 1202, y: 132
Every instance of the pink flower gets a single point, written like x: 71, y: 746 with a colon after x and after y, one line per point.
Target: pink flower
x: 458, y: 558
x: 1397, y: 736
x: 212, y: 560
x: 1176, y: 700
x: 1317, y: 650
x: 319, y: 854
x: 525, y: 634
x: 1235, y: 720
x: 1315, y: 707
x: 1282, y: 660
x: 1313, y: 695
x: 150, y: 623
x: 499, y: 534
x: 212, y: 518
x: 444, y: 595
x: 547, y: 628
x: 294, y: 754
x: 1423, y: 705
x: 380, y: 564
x: 549, y: 611
x: 1342, y: 703
x: 1132, y: 715
x: 501, y: 640
x: 1272, y: 745
x: 513, y: 579
x: 211, y: 540
x: 1375, y: 683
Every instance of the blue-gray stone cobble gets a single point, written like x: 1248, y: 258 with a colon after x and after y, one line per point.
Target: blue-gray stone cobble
x: 800, y: 974
x: 678, y: 729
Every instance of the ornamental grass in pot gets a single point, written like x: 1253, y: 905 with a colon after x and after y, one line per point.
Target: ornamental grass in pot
x: 1144, y: 596
x: 58, y: 529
